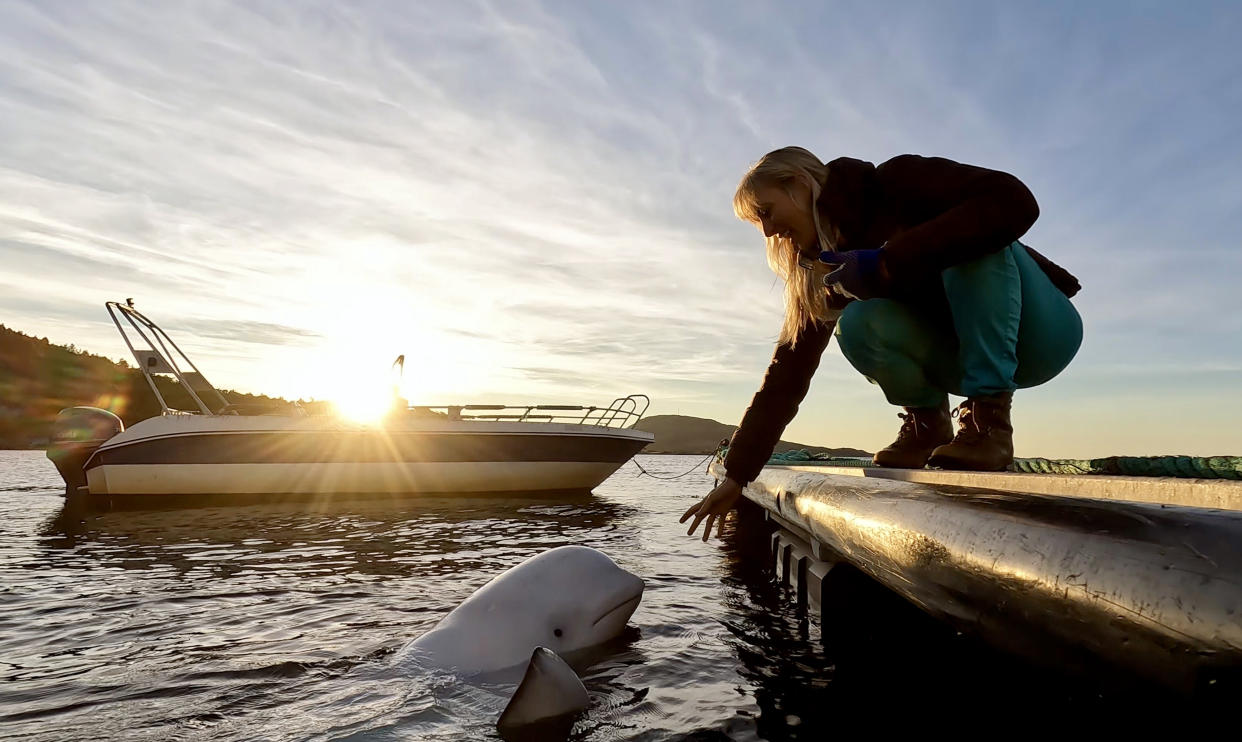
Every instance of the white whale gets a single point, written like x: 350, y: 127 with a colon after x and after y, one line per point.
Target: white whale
x: 566, y: 599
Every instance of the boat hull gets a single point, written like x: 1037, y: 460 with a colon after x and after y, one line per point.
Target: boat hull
x: 347, y: 478
x: 270, y: 455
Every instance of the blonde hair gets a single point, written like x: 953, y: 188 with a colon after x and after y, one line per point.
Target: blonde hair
x: 805, y: 300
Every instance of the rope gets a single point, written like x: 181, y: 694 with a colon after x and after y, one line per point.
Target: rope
x: 642, y: 471
x: 1198, y: 467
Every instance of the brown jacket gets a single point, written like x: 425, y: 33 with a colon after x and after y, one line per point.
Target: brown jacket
x: 929, y: 213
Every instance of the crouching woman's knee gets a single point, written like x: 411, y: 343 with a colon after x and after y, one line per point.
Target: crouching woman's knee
x: 868, y: 331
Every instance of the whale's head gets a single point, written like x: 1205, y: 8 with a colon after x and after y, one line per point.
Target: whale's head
x: 565, y: 599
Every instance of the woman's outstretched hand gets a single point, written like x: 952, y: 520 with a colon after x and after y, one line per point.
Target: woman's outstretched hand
x: 714, y: 507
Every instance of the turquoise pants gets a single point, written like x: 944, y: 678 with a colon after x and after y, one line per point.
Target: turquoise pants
x: 1010, y: 328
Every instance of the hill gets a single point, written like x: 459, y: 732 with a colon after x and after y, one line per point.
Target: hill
x: 682, y: 434
x: 39, y: 379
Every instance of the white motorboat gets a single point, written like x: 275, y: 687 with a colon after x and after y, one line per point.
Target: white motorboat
x: 222, y: 448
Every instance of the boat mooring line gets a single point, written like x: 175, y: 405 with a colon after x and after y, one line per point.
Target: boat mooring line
x: 642, y: 471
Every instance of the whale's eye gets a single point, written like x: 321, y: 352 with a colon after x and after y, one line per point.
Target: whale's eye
x: 557, y: 632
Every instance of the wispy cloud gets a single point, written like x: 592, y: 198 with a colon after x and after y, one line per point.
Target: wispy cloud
x: 260, y: 333
x: 533, y: 198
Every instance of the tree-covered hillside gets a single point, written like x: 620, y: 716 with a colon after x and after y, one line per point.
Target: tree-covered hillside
x: 39, y: 378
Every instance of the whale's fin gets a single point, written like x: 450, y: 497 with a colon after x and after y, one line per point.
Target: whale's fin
x: 550, y: 692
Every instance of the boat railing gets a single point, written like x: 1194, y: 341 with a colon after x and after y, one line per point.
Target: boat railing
x: 623, y: 412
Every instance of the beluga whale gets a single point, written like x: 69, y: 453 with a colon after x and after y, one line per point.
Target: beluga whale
x: 556, y: 603
x: 566, y: 599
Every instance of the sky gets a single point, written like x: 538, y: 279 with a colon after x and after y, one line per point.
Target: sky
x: 532, y: 200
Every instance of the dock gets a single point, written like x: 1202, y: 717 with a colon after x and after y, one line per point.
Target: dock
x: 1139, y: 575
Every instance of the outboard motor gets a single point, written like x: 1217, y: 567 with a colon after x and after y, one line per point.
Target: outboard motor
x: 77, y: 433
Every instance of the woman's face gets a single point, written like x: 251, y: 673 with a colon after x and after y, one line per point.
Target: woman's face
x: 786, y: 212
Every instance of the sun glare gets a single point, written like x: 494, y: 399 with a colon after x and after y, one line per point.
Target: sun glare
x: 362, y: 391
x: 363, y: 405
x: 351, y: 363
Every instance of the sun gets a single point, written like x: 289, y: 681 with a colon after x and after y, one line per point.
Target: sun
x: 363, y: 405
x: 351, y: 362
x: 361, y: 389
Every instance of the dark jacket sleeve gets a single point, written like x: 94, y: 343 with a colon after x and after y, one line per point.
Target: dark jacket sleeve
x: 775, y: 404
x: 962, y: 212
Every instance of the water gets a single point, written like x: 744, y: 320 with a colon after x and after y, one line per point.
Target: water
x: 278, y: 621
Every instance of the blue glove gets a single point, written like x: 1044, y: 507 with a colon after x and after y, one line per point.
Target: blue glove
x: 858, y: 274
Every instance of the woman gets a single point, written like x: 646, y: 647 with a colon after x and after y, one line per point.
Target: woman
x: 916, y: 267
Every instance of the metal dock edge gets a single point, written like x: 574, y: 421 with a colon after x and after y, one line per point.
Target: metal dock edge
x: 1149, y: 589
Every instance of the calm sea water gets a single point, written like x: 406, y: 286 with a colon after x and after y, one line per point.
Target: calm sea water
x: 278, y: 621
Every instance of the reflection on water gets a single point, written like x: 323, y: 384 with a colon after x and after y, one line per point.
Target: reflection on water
x: 276, y: 621
x: 364, y: 536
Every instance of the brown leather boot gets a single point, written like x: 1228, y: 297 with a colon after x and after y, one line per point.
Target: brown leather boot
x: 923, y: 429
x: 984, y: 440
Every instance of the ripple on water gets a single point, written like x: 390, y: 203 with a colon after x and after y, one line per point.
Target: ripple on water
x: 276, y: 621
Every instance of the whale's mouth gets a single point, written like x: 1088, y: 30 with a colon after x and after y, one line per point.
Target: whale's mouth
x: 630, y: 603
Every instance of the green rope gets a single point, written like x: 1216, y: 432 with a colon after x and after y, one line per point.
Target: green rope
x: 798, y: 455
x: 1196, y: 467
